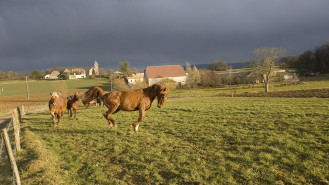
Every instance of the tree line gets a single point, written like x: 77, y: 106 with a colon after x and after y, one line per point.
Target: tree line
x: 311, y: 62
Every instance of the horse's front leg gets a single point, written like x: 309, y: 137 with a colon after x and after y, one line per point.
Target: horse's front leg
x: 71, y: 112
x: 53, y: 117
x: 108, y: 114
x: 140, y: 119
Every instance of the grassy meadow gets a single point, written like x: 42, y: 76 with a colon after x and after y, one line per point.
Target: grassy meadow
x: 191, y: 140
x: 198, y: 137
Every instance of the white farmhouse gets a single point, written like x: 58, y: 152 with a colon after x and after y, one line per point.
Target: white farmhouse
x: 135, y: 78
x: 53, y: 75
x: 155, y: 74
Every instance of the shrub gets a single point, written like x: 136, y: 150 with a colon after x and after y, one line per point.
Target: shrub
x: 139, y: 85
x: 169, y: 83
x: 120, y: 85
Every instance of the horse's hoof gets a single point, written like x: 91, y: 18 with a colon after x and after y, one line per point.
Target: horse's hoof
x: 136, y: 128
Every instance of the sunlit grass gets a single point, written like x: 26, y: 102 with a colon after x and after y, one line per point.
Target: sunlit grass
x: 210, y: 140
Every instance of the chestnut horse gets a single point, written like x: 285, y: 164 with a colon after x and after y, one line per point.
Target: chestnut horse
x: 57, y: 106
x: 131, y: 101
x: 73, y: 104
x: 92, y: 94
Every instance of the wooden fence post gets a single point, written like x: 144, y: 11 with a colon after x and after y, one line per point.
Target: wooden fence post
x: 16, y: 130
x: 11, y: 156
x: 22, y: 110
x: 19, y: 115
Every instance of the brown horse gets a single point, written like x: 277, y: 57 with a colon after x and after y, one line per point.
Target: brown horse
x: 73, y: 104
x: 57, y: 106
x: 92, y: 94
x: 131, y: 101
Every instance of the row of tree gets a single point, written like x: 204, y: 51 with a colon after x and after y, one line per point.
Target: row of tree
x: 310, y: 62
x: 11, y: 75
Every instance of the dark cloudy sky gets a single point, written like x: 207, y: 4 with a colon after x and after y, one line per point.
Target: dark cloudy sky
x: 41, y: 34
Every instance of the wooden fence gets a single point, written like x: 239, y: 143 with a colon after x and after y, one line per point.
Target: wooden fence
x: 13, y: 127
x: 10, y: 136
x: 14, y: 124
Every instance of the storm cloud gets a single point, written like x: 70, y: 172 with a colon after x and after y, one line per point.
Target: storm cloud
x: 39, y: 34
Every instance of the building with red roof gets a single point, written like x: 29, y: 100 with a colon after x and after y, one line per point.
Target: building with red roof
x: 155, y: 74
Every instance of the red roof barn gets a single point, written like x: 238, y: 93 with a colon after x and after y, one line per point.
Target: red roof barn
x: 155, y: 74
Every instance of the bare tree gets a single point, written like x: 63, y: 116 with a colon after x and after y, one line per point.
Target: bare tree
x: 125, y: 69
x: 193, y: 78
x: 264, y: 62
x: 218, y: 65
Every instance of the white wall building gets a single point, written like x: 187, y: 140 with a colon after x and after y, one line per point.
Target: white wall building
x: 135, y: 78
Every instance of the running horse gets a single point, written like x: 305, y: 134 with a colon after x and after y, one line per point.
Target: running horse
x: 57, y: 106
x: 140, y: 99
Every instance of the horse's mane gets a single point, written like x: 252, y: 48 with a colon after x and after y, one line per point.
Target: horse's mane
x: 91, y: 94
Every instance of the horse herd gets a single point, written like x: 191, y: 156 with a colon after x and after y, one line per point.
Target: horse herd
x: 115, y: 101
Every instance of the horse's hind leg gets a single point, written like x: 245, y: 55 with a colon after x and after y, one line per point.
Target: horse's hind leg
x: 75, y: 113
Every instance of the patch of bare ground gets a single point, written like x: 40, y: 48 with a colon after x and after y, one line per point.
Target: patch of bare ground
x: 311, y: 93
x: 10, y: 102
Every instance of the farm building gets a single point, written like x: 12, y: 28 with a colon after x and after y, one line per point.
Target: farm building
x: 135, y: 78
x: 52, y: 75
x: 75, y: 73
x: 155, y: 74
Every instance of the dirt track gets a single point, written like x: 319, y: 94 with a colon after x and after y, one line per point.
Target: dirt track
x: 312, y: 93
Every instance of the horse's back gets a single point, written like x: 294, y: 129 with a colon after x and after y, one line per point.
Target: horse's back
x: 123, y: 99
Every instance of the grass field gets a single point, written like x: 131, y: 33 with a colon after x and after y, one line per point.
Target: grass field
x: 199, y: 137
x: 191, y: 140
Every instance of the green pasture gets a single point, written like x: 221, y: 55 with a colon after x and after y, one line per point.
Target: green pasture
x: 17, y: 88
x: 191, y: 140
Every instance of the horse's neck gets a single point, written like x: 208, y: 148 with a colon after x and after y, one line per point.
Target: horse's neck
x: 75, y: 98
x: 150, y: 93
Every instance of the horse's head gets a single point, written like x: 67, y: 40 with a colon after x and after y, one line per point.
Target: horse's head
x: 76, y: 96
x: 162, y: 95
x: 54, y: 98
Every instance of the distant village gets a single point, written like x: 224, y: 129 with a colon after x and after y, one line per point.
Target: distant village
x: 151, y: 75
x: 175, y: 73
